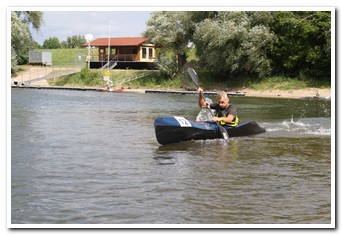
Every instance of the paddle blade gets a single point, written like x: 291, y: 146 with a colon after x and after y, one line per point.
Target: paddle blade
x: 223, y: 132
x: 194, y: 76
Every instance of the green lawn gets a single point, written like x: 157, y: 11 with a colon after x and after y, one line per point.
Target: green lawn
x: 68, y: 57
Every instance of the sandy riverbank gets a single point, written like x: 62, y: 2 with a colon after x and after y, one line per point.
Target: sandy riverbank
x: 34, y: 72
x: 293, y: 94
x: 300, y: 93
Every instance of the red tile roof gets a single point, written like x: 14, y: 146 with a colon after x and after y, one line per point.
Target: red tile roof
x: 129, y: 41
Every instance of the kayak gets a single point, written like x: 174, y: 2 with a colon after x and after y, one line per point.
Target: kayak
x: 174, y: 129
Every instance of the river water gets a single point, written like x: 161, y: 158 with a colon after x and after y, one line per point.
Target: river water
x: 82, y: 157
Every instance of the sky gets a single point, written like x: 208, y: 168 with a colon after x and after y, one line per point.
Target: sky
x: 62, y: 24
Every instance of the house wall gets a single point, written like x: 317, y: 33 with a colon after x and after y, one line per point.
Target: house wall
x: 142, y: 53
x: 147, y: 54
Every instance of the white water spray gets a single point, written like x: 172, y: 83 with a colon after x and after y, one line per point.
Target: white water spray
x: 204, y: 114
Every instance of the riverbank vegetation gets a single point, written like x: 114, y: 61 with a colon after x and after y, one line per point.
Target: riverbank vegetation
x: 163, y: 79
x: 259, y: 50
x: 247, y: 44
x: 94, y: 78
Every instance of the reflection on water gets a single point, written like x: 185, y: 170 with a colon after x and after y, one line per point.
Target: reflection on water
x: 92, y: 158
x: 254, y: 180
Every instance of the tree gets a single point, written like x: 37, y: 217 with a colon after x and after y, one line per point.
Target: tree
x: 170, y: 29
x: 33, y: 18
x: 52, y: 43
x: 232, y: 44
x: 75, y: 41
x: 261, y: 43
x: 21, y: 39
x: 304, y: 44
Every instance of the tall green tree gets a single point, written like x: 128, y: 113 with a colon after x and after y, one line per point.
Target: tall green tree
x: 75, y: 41
x: 52, y: 43
x: 290, y: 43
x: 170, y: 30
x: 304, y: 47
x: 32, y: 18
x: 234, y: 44
x: 21, y: 39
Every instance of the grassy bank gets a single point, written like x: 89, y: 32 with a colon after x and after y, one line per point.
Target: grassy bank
x: 210, y: 82
x: 68, y: 57
x: 94, y: 77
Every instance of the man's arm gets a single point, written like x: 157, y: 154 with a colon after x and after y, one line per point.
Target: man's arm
x: 228, y: 119
x: 201, y: 101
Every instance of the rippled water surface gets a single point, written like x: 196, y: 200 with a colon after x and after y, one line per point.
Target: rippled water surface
x: 92, y: 158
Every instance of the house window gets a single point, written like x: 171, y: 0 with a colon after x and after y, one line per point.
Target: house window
x: 144, y: 52
x: 150, y: 53
x: 128, y: 50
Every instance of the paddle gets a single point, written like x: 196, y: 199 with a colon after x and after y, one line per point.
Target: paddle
x: 195, y: 79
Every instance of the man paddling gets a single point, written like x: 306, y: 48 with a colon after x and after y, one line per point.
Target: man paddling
x: 225, y: 113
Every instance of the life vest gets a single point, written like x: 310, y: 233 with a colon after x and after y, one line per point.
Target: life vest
x: 233, y: 123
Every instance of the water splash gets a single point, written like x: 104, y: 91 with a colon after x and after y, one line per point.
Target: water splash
x: 204, y: 114
x: 302, y: 127
x: 322, y: 108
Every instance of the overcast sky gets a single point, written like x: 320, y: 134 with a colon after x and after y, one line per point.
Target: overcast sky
x: 62, y: 24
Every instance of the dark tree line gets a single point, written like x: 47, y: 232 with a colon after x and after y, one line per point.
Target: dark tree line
x: 241, y: 43
x: 75, y: 41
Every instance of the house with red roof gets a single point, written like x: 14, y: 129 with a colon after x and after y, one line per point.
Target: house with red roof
x: 123, y: 53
